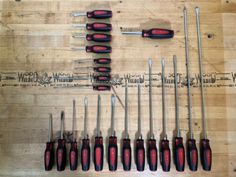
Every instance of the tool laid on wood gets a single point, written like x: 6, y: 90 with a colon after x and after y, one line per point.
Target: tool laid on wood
x: 112, y: 147
x: 178, y: 147
x: 97, y: 26
x: 98, y: 147
x: 96, y: 14
x: 49, y: 151
x: 154, y: 33
x: 61, y: 148
x: 102, y: 61
x: 126, y: 149
x: 99, y: 49
x: 139, y: 151
x: 192, y: 152
x: 205, y: 149
x: 99, y: 69
x: 102, y: 87
x: 152, y: 147
x: 165, y: 149
x: 96, y: 37
x: 85, y: 149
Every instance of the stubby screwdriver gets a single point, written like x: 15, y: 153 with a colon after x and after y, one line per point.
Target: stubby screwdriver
x: 205, y: 149
x: 99, y: 69
x: 99, y: 49
x: 102, y: 87
x: 96, y: 14
x: 102, y: 61
x: 85, y: 149
x: 97, y: 26
x: 61, y: 148
x: 49, y: 151
x: 102, y: 78
x: 96, y: 37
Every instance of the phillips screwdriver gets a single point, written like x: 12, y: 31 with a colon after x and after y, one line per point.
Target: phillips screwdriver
x: 49, y: 151
x: 99, y: 69
x: 102, y: 61
x: 152, y: 147
x: 96, y: 37
x: 73, y: 155
x: 178, y: 147
x: 98, y: 147
x: 112, y: 146
x: 205, y: 149
x: 61, y: 148
x: 192, y: 152
x: 165, y: 149
x: 154, y: 33
x: 97, y: 26
x: 85, y: 149
x: 140, y: 151
x: 96, y: 14
x: 126, y: 150
x: 99, y: 49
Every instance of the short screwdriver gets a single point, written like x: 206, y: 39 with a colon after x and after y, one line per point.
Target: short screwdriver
x: 99, y: 69
x: 102, y: 61
x: 97, y: 26
x: 139, y: 151
x: 126, y: 150
x: 192, y: 152
x: 154, y: 33
x: 85, y: 149
x: 178, y: 147
x: 102, y: 78
x: 49, y: 151
x: 99, y: 49
x: 96, y: 14
x: 205, y: 149
x: 96, y: 37
x: 98, y: 147
x: 102, y: 87
x: 61, y: 148
x: 73, y: 155
x: 112, y: 146
x: 165, y: 149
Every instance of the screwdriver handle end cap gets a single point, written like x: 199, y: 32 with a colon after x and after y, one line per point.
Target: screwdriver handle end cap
x: 126, y: 154
x: 165, y: 156
x: 179, y: 154
x: 206, y: 154
x: 192, y: 154
x: 152, y: 154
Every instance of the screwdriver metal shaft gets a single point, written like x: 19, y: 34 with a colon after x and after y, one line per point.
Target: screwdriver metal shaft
x: 98, y: 116
x: 163, y: 99
x: 150, y: 100
x: 126, y: 111
x: 139, y: 113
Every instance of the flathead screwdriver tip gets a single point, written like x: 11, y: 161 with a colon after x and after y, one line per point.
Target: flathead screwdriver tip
x: 150, y: 62
x: 197, y: 9
x: 86, y: 101
x: 113, y: 99
x: 163, y: 62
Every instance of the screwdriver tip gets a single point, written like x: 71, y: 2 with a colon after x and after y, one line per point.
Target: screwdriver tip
x: 85, y: 101
x: 163, y: 62
x: 197, y: 9
x: 113, y: 99
x: 150, y: 62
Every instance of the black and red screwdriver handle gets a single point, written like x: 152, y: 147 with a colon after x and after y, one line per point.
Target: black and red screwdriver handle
x: 157, y: 33
x: 102, y: 61
x: 99, y: 26
x: 85, y: 154
x: 205, y: 154
x: 102, y: 78
x: 49, y: 156
x: 152, y: 154
x: 179, y: 154
x: 192, y: 154
x: 73, y: 156
x: 61, y: 155
x: 99, y: 49
x: 126, y: 154
x: 140, y: 155
x: 165, y: 155
x: 98, y: 154
x: 112, y: 153
x: 99, y: 14
x: 102, y: 69
x: 102, y: 87
x: 99, y: 37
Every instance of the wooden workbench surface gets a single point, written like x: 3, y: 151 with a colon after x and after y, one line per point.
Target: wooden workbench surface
x: 36, y: 56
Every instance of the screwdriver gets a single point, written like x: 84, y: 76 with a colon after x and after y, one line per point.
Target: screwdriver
x: 152, y: 147
x: 73, y: 156
x: 112, y: 147
x: 102, y: 87
x: 96, y: 14
x: 126, y: 150
x: 140, y: 151
x: 98, y: 147
x: 102, y: 61
x: 49, y: 151
x: 154, y: 33
x: 165, y: 149
x: 96, y: 37
x: 205, y: 149
x: 179, y: 152
x: 99, y: 69
x: 85, y: 149
x: 192, y: 152
x: 102, y: 78
x: 61, y: 148
x: 99, y: 49
x: 97, y: 26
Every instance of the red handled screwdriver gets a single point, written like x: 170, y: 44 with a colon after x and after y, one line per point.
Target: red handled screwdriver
x: 97, y: 26
x: 139, y: 151
x: 98, y: 147
x: 73, y: 155
x: 61, y: 148
x: 192, y: 152
x: 205, y: 148
x: 101, y: 61
x: 112, y: 146
x: 99, y: 49
x: 102, y: 87
x: 99, y: 69
x: 178, y: 147
x: 96, y: 14
x: 102, y: 78
x: 85, y: 149
x: 152, y: 147
x: 126, y: 149
x: 165, y: 149
x: 96, y: 37
x: 49, y: 151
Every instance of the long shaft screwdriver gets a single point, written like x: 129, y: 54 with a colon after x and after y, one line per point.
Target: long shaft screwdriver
x: 105, y: 27
x: 85, y: 149
x: 178, y: 147
x: 99, y: 49
x: 61, y: 148
x: 98, y: 147
x: 192, y: 152
x: 96, y: 37
x: 205, y: 149
x: 96, y: 14
x: 152, y: 147
x: 49, y: 151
